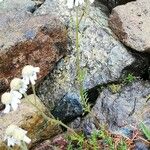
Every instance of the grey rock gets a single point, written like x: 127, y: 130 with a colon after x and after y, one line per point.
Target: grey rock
x: 131, y: 23
x: 103, y: 56
x: 122, y: 111
x: 113, y: 3
x: 16, y: 5
x: 141, y: 146
x: 68, y: 108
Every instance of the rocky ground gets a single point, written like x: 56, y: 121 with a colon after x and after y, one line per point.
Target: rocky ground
x: 115, y: 51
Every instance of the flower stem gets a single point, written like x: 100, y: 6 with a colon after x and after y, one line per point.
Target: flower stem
x: 9, y: 148
x: 48, y: 118
x: 77, y: 44
x: 23, y: 146
x: 33, y: 89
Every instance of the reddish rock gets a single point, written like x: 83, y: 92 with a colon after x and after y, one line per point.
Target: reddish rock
x: 58, y: 142
x: 131, y: 24
x: 36, y: 40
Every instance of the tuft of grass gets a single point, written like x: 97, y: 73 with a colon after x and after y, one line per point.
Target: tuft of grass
x: 98, y: 140
x: 129, y: 79
x: 145, y: 130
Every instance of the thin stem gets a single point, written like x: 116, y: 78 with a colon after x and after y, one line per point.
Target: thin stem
x: 77, y: 44
x: 33, y: 89
x: 64, y: 125
x: 9, y: 148
x: 48, y: 118
x: 23, y: 145
x: 44, y: 116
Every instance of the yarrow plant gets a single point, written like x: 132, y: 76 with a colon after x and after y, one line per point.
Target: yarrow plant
x: 10, y: 101
x: 80, y: 72
x: 15, y: 135
x: 29, y: 74
x: 18, y: 85
x: 18, y: 88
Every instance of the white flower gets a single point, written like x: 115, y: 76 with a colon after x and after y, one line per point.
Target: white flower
x: 71, y: 3
x: 79, y: 2
x: 18, y: 85
x: 10, y: 99
x: 91, y: 1
x: 14, y: 135
x: 29, y: 74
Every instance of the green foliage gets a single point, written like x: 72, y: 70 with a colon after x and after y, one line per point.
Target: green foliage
x: 145, y: 130
x: 75, y: 140
x: 83, y: 93
x: 94, y: 140
x: 99, y: 140
x: 115, y: 88
x: 106, y: 138
x: 129, y: 79
x: 122, y: 145
x: 70, y: 146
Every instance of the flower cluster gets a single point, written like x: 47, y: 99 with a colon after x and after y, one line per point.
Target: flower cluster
x: 11, y: 99
x: 72, y: 3
x: 14, y: 135
x: 18, y: 87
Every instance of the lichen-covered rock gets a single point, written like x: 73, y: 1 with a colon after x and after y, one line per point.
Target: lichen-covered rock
x: 123, y: 110
x: 29, y: 118
x: 39, y: 41
x: 131, y: 23
x: 15, y: 5
x: 102, y: 55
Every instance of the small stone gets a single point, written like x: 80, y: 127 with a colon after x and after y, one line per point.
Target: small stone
x: 68, y: 108
x: 139, y: 145
x: 28, y: 118
x: 58, y: 142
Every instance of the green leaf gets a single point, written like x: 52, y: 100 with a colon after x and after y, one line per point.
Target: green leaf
x: 145, y: 130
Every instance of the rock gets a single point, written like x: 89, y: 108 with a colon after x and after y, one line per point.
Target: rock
x: 68, y: 108
x: 131, y: 23
x: 28, y: 118
x: 102, y: 55
x: 141, y: 146
x: 15, y: 5
x: 113, y: 3
x: 122, y: 111
x: 40, y: 41
x: 57, y: 142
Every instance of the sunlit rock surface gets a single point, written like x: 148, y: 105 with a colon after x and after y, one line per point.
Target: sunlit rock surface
x: 131, y: 23
x: 29, y: 118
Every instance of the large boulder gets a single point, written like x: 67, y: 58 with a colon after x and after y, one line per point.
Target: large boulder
x: 122, y: 110
x: 30, y: 119
x: 25, y: 39
x: 131, y: 23
x: 102, y: 55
